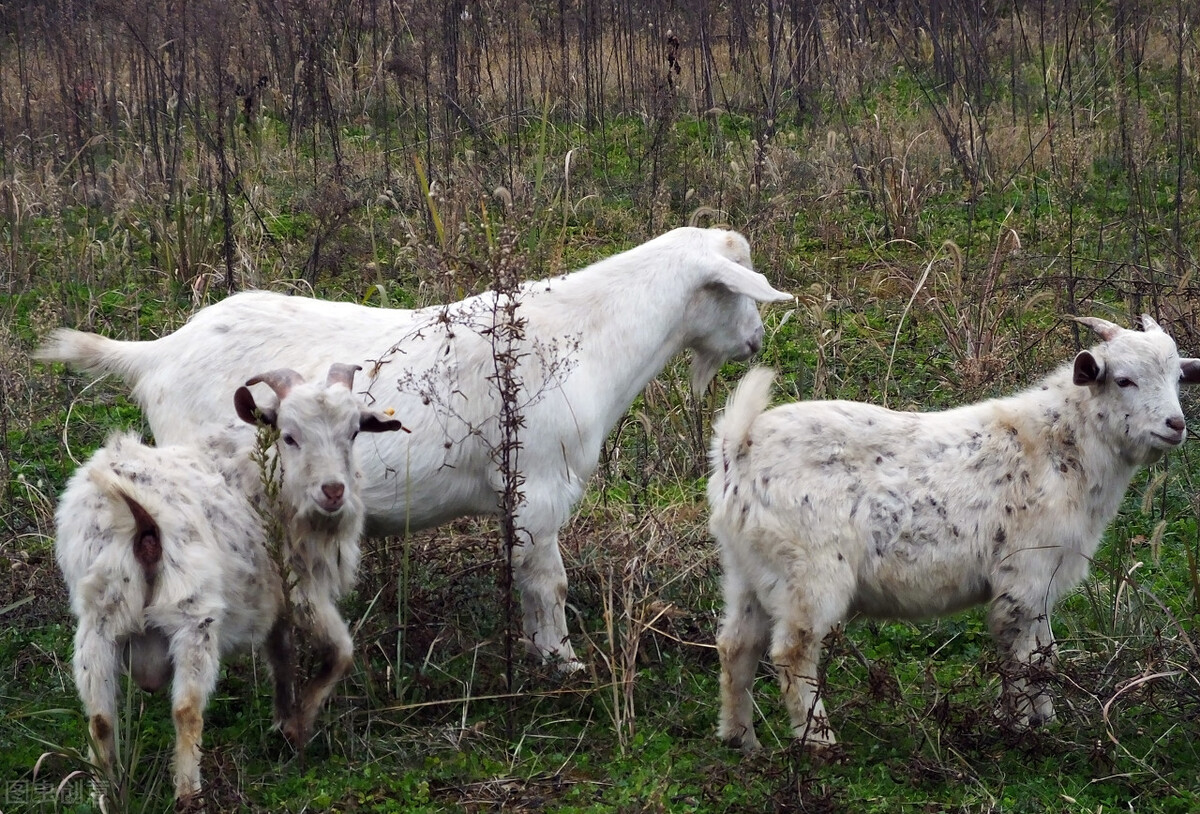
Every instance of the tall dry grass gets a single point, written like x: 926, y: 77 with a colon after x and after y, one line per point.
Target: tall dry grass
x: 938, y: 182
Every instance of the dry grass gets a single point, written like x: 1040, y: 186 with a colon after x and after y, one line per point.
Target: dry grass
x: 935, y: 217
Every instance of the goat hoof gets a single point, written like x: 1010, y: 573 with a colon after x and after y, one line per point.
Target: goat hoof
x: 817, y: 737
x: 190, y: 804
x: 295, y: 732
x: 570, y: 667
x: 1019, y: 722
x: 564, y: 665
x: 747, y: 746
x: 744, y: 739
x: 1040, y: 720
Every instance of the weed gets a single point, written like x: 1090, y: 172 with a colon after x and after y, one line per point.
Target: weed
x: 882, y: 159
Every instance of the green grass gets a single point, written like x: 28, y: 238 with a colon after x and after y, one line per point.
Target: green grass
x: 914, y: 719
x: 428, y: 720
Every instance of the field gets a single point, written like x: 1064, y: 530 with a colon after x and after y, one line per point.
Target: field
x: 941, y: 187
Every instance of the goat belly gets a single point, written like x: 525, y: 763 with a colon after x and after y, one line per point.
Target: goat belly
x: 892, y: 587
x: 913, y: 562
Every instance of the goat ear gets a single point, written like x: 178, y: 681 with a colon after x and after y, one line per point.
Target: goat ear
x: 369, y: 421
x: 1088, y: 369
x: 1149, y: 325
x: 248, y: 411
x: 741, y: 280
x: 1104, y: 329
x: 1189, y: 371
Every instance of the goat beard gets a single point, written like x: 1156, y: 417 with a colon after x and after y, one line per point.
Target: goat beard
x: 318, y: 519
x: 704, y: 367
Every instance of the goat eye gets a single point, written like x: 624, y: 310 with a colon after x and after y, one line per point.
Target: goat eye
x: 289, y: 440
x: 1122, y: 381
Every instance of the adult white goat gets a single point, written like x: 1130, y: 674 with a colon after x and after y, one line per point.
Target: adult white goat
x: 164, y: 552
x: 593, y: 339
x: 827, y: 509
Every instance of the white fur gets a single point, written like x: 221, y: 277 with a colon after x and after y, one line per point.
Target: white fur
x: 594, y: 339
x: 215, y: 589
x: 827, y: 509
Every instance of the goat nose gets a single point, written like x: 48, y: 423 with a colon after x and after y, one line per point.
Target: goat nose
x: 1176, y: 423
x: 756, y: 341
x: 333, y: 491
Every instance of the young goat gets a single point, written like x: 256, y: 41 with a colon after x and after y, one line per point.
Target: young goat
x: 164, y: 552
x: 827, y: 509
x: 593, y: 339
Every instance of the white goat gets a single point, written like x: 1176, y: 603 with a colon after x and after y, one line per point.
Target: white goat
x: 164, y: 552
x: 594, y: 339
x: 827, y: 509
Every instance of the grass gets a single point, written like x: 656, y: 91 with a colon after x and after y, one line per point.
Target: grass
x: 925, y: 276
x: 914, y: 717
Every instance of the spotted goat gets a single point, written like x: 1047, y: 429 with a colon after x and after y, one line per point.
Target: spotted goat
x: 165, y: 553
x: 827, y: 509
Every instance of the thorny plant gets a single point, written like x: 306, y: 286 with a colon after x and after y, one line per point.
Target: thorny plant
x: 270, y: 512
x: 507, y: 337
x: 437, y: 385
x: 523, y: 371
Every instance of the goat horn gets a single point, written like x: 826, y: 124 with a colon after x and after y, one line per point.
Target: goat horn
x: 342, y: 374
x: 1104, y: 329
x: 281, y: 380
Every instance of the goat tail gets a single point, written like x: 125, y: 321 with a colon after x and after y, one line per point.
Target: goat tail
x: 748, y: 401
x: 142, y: 508
x: 91, y: 353
x: 731, y: 432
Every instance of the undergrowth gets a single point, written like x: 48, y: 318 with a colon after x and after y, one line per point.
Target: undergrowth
x: 940, y: 186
